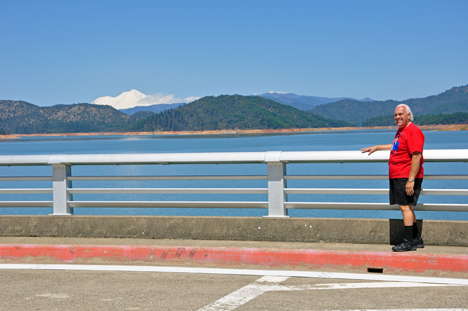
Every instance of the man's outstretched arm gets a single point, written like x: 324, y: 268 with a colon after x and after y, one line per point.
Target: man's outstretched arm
x: 373, y: 149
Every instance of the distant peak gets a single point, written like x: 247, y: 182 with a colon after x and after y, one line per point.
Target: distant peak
x: 133, y: 92
x: 134, y: 98
x: 271, y: 92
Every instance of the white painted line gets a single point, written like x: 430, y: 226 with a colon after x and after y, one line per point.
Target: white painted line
x: 271, y: 283
x: 358, y: 285
x: 244, y: 294
x: 300, y: 274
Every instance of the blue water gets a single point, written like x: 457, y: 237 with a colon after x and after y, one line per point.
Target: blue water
x: 319, y: 141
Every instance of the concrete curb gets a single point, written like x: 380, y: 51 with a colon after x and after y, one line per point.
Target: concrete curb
x: 233, y: 256
x: 310, y: 230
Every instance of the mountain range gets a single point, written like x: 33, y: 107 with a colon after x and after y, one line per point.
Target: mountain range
x: 130, y: 102
x: 357, y: 112
x: 208, y: 113
x: 25, y: 118
x: 153, y: 108
x: 304, y: 102
x: 227, y: 112
x: 234, y: 112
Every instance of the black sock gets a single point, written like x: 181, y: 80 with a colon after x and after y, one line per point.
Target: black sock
x: 415, y: 231
x: 409, y: 233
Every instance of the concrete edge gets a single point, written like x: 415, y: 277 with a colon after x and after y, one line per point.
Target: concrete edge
x: 311, y: 230
x: 411, y: 262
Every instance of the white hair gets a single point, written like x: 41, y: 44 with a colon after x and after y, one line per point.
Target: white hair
x: 408, y: 110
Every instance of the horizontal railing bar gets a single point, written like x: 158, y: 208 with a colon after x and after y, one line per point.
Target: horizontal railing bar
x: 444, y: 192
x: 336, y: 205
x: 170, y: 204
x: 335, y: 177
x: 375, y: 206
x: 445, y: 177
x: 431, y: 155
x: 435, y: 155
x: 26, y: 178
x: 368, y: 177
x: 234, y: 177
x: 288, y: 205
x: 169, y: 190
x: 26, y: 191
x: 335, y: 191
x: 355, y: 191
x: 370, y: 191
x: 26, y: 204
x: 204, y: 177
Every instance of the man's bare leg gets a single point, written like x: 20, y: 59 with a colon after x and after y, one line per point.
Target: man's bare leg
x: 408, y: 215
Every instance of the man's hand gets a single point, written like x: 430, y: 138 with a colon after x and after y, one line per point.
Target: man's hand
x: 371, y: 150
x: 409, y: 188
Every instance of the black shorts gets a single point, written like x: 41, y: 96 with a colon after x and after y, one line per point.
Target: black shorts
x: 398, y: 192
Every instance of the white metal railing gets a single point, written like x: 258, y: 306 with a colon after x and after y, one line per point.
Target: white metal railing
x: 276, y: 178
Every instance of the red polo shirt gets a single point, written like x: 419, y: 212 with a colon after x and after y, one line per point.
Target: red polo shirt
x: 407, y: 141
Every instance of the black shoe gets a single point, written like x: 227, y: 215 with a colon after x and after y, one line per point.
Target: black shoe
x: 418, y: 242
x: 404, y: 246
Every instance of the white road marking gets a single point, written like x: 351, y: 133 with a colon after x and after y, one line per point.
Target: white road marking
x: 253, y: 290
x: 244, y: 294
x: 358, y: 285
x: 285, y: 273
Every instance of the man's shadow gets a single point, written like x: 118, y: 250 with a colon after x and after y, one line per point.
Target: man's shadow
x: 397, y: 230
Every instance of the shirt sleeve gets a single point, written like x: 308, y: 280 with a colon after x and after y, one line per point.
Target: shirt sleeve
x: 415, y: 142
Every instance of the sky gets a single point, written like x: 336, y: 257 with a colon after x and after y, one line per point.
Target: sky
x: 65, y: 52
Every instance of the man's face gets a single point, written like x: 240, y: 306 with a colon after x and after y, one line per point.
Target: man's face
x: 402, y: 119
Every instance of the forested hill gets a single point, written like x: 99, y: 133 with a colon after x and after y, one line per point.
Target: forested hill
x: 448, y: 102
x: 25, y: 118
x: 209, y: 113
x: 231, y: 112
x: 453, y: 118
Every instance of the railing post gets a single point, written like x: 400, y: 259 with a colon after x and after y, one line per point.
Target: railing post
x: 276, y: 185
x: 60, y: 172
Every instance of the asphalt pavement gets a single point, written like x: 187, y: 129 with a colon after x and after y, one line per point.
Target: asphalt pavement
x: 39, y: 287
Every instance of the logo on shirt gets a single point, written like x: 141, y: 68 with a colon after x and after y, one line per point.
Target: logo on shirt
x: 395, y: 144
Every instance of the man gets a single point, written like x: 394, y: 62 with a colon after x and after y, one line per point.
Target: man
x: 405, y: 173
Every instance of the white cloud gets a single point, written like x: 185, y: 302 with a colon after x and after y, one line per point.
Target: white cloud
x: 163, y: 98
x: 190, y: 99
x: 157, y: 99
x: 271, y: 92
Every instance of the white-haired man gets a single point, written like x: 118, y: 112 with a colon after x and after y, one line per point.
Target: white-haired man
x: 405, y: 173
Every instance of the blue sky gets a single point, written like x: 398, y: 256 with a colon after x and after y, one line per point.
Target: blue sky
x: 64, y: 52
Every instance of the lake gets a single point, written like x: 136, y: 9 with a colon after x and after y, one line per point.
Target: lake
x: 314, y: 141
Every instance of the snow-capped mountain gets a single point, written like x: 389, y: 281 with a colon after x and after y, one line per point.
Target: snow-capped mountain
x: 135, y: 98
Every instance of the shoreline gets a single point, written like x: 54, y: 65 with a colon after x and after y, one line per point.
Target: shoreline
x: 440, y: 127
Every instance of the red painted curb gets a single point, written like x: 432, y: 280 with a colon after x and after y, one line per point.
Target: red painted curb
x: 266, y: 257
